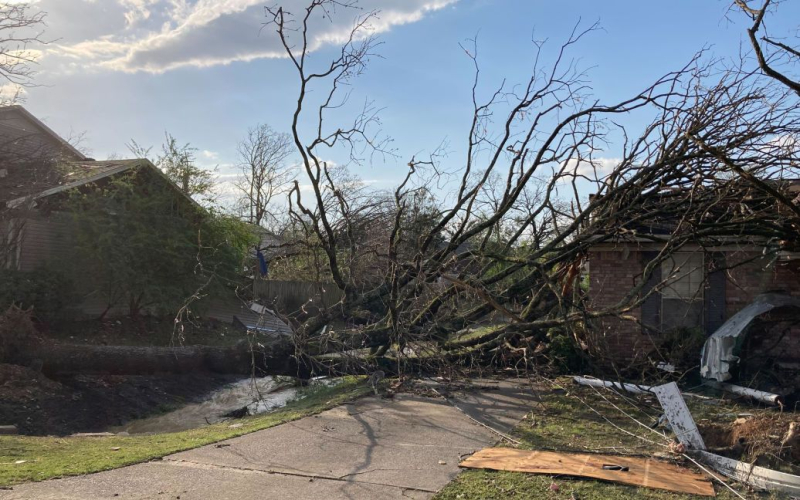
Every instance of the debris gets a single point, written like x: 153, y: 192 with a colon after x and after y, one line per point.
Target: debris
x: 554, y: 487
x: 238, y: 413
x: 596, y: 382
x: 640, y: 471
x: 20, y: 462
x: 718, y: 351
x: 681, y: 421
x: 666, y: 367
x: 442, y: 462
x: 115, y: 448
x: 758, y: 477
x: 792, y: 436
x: 764, y: 397
x: 6, y: 430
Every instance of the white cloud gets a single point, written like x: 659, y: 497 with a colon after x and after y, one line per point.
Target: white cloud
x: 210, y: 155
x: 137, y: 10
x: 161, y: 35
x: 11, y: 93
x: 596, y: 168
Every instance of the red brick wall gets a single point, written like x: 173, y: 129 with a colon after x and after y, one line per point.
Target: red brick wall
x: 612, y: 274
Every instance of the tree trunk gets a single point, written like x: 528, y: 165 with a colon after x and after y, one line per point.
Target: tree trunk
x: 126, y: 360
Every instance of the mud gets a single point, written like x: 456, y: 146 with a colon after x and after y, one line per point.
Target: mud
x: 38, y: 405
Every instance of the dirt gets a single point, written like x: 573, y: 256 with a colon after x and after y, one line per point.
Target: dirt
x: 755, y: 439
x: 38, y: 405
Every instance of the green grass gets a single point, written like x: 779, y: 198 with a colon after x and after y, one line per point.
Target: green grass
x: 31, y: 458
x: 565, y: 422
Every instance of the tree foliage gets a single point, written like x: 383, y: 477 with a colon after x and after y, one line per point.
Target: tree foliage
x: 179, y: 164
x: 143, y: 246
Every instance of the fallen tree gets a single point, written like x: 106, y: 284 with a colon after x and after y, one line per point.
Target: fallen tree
x: 507, y: 240
x: 242, y: 359
x: 20, y: 343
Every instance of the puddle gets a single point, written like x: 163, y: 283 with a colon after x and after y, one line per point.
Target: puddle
x: 260, y: 396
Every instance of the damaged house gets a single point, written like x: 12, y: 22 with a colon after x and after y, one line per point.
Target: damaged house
x: 129, y: 239
x: 694, y: 289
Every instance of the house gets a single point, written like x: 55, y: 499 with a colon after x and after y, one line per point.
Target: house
x: 693, y: 292
x: 40, y: 174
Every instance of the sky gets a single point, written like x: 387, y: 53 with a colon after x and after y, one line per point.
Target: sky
x: 207, y: 70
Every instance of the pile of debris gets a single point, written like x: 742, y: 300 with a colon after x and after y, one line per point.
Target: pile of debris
x: 765, y: 441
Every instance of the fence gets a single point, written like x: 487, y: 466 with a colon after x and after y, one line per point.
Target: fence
x: 291, y: 296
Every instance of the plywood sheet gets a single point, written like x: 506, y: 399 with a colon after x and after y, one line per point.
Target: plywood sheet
x: 644, y: 472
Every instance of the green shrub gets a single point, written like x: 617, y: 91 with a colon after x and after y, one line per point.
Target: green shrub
x: 50, y: 293
x: 563, y: 351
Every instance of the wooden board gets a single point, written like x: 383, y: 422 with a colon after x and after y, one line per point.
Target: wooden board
x: 643, y: 472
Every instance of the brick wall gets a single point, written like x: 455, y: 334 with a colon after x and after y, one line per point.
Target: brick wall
x: 612, y: 274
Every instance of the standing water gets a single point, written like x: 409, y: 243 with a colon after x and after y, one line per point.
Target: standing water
x: 259, y: 395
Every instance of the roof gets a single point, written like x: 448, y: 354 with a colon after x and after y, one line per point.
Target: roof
x: 89, y: 171
x: 44, y: 129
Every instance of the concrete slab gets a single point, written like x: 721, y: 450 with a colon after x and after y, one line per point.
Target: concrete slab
x: 404, y: 447
x: 398, y: 442
x: 158, y: 480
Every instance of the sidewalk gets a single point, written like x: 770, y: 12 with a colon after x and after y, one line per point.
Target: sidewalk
x: 406, y: 447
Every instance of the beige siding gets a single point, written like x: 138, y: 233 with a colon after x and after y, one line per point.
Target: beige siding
x: 43, y: 240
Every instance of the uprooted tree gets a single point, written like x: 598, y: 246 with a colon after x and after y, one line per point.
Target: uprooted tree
x: 504, y: 241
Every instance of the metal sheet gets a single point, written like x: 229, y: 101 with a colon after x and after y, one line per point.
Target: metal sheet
x: 758, y: 477
x: 718, y: 352
x: 679, y: 416
x: 596, y: 382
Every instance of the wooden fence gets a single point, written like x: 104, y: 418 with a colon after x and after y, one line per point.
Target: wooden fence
x: 291, y: 296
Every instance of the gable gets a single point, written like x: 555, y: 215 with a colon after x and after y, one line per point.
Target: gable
x: 30, y: 154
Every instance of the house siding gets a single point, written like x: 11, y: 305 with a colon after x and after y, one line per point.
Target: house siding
x: 45, y: 238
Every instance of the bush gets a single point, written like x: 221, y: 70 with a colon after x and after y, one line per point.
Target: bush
x: 563, y: 351
x: 49, y: 293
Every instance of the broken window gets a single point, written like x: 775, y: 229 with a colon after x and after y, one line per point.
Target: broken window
x: 682, y: 295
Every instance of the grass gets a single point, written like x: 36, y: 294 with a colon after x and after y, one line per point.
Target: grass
x: 565, y: 422
x: 32, y: 458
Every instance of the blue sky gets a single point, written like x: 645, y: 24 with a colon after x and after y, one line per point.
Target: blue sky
x: 131, y: 69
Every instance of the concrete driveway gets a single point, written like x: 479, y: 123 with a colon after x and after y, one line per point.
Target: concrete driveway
x: 406, y: 447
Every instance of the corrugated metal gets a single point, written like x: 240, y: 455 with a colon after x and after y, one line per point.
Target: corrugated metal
x: 718, y: 352
x: 226, y: 310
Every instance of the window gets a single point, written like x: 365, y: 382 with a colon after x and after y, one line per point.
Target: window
x: 682, y: 295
